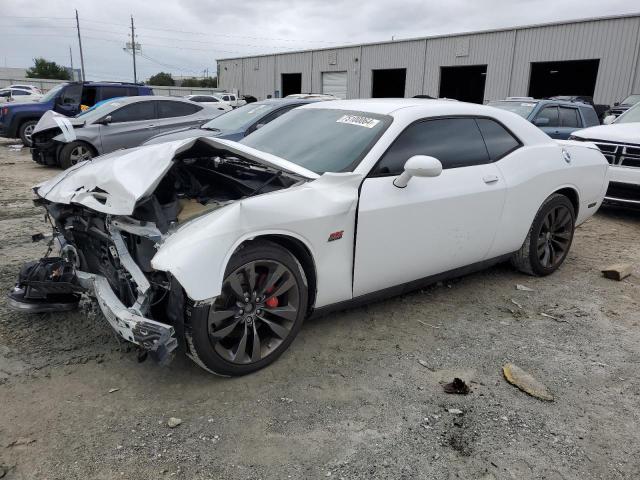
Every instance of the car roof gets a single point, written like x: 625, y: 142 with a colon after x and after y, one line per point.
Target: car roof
x: 546, y: 101
x: 288, y: 101
x: 142, y: 98
x: 384, y: 106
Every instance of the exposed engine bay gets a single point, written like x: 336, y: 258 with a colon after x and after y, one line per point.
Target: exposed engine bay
x: 114, y: 252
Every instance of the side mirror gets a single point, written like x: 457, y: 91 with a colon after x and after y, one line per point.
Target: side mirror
x: 418, y: 166
x: 541, y: 121
x: 608, y: 120
x: 106, y: 120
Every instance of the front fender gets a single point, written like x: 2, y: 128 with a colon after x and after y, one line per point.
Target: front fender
x: 197, y: 254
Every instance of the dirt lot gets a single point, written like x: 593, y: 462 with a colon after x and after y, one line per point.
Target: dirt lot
x: 358, y: 394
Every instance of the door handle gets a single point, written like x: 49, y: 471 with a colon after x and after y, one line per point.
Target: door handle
x: 150, y: 126
x: 490, y: 178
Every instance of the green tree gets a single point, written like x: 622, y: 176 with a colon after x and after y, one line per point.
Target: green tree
x: 162, y: 79
x: 209, y: 82
x: 42, y: 68
x: 190, y: 82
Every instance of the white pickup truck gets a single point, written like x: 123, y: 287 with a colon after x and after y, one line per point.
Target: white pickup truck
x: 230, y: 98
x: 620, y: 143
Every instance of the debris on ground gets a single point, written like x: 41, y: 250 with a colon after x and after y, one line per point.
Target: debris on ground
x: 618, y: 271
x: 526, y: 382
x: 456, y: 387
x: 524, y: 288
x: 427, y: 324
x: 455, y: 411
x: 173, y: 422
x: 21, y: 441
x: 553, y: 318
x: 3, y: 470
x: 425, y: 365
x: 286, y: 399
x: 516, y: 304
x: 113, y: 390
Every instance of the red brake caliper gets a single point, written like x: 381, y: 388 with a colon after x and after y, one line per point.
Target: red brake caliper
x: 271, y: 302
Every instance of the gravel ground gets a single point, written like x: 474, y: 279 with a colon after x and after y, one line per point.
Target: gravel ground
x: 358, y: 395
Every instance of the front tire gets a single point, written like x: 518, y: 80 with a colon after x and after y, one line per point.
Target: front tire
x: 259, y: 312
x: 26, y: 130
x: 73, y: 153
x: 549, y: 238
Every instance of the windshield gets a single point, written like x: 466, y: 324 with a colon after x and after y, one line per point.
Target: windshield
x: 241, y: 118
x: 52, y: 93
x: 320, y: 140
x: 630, y: 116
x: 521, y: 108
x: 99, y: 110
x: 631, y: 100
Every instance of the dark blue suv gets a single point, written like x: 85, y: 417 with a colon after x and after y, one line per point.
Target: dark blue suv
x: 556, y: 118
x: 18, y: 120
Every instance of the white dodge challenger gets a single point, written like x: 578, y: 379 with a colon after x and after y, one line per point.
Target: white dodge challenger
x: 224, y: 248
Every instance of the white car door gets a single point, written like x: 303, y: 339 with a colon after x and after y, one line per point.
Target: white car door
x: 436, y: 224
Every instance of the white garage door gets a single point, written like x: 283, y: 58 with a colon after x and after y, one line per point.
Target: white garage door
x: 335, y: 83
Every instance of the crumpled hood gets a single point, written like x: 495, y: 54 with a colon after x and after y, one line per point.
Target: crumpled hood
x: 114, y: 183
x: 616, y: 132
x: 52, y: 119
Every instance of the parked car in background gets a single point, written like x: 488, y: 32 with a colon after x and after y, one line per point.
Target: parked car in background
x: 231, y: 98
x: 556, y: 118
x: 18, y: 95
x: 249, y: 98
x: 19, y: 120
x: 600, y: 108
x: 620, y: 107
x: 237, y: 124
x: 620, y: 144
x: 30, y: 88
x: 210, y: 100
x: 119, y: 123
x: 263, y: 232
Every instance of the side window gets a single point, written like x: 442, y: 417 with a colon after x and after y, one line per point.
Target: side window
x: 226, y: 98
x: 71, y: 95
x: 89, y: 96
x: 456, y: 142
x: 134, y: 112
x: 550, y: 113
x: 112, y: 92
x: 168, y: 109
x: 5, y: 94
x: 569, y: 117
x: 19, y: 92
x: 590, y: 116
x: 497, y: 138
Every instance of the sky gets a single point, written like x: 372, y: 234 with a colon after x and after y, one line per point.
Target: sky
x: 185, y: 37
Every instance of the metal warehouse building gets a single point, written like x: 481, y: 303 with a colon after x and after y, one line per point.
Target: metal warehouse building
x: 596, y: 57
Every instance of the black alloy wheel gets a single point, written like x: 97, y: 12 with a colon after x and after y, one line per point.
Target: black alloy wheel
x: 555, y: 236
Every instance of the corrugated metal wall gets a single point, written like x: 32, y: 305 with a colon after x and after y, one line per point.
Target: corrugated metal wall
x: 492, y: 49
x: 339, y: 60
x: 614, y: 42
x: 508, y: 55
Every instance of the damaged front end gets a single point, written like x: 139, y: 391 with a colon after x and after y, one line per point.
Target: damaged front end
x: 50, y: 135
x: 109, y: 247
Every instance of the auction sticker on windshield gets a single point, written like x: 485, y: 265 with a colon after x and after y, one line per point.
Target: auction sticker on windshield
x: 358, y: 120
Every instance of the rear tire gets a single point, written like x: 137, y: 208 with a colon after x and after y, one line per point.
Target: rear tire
x: 73, y: 153
x: 256, y: 317
x: 549, y: 238
x: 26, y: 130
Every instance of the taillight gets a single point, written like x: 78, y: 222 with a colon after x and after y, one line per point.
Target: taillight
x: 5, y: 110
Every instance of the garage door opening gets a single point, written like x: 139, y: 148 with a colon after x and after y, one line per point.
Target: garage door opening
x: 291, y: 83
x: 463, y: 83
x: 572, y: 77
x: 389, y: 83
x: 335, y: 83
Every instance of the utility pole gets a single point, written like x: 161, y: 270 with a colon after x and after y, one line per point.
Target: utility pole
x: 133, y: 49
x: 71, y: 58
x: 80, y: 44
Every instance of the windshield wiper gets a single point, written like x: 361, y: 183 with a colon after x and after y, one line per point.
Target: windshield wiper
x: 213, y: 129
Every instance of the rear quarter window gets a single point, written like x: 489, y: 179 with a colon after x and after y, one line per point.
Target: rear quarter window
x: 498, y: 139
x: 590, y: 117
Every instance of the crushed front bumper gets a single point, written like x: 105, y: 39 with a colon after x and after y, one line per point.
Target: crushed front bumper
x: 155, y: 337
